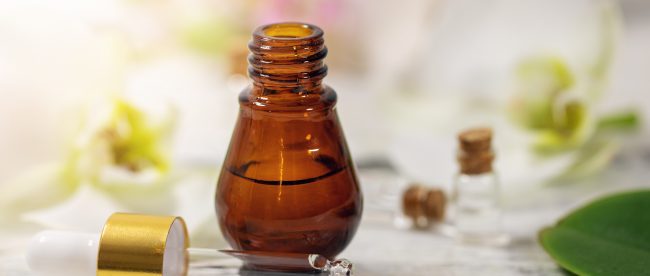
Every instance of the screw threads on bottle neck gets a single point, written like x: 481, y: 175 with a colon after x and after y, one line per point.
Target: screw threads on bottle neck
x: 287, y: 57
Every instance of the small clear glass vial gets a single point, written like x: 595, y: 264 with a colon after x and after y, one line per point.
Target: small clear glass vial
x: 477, y: 215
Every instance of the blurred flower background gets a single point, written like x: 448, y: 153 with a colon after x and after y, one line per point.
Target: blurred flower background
x: 128, y: 105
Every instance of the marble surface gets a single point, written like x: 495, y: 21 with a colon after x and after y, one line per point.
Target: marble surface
x: 388, y: 251
x: 379, y: 248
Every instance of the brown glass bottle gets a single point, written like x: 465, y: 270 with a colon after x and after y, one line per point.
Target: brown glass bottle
x: 288, y: 183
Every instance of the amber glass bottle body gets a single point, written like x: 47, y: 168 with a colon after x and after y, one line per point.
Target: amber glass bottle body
x: 288, y: 183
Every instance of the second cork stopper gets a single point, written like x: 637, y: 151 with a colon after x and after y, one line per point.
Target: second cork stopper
x: 475, y: 153
x: 423, y: 205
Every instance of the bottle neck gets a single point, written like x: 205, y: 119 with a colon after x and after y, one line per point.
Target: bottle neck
x: 287, y: 58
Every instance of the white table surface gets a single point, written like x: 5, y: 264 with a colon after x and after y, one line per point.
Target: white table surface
x: 379, y: 248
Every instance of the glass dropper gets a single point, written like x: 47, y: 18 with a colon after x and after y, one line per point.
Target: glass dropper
x: 205, y: 261
x: 133, y: 244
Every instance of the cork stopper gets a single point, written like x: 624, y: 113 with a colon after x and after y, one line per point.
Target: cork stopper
x: 423, y: 205
x: 475, y: 154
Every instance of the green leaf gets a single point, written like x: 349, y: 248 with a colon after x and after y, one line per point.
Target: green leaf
x: 610, y: 236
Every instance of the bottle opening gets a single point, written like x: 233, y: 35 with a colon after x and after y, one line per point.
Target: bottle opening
x: 287, y: 57
x: 290, y: 31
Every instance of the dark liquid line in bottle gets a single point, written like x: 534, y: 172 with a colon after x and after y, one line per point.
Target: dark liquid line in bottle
x: 289, y: 182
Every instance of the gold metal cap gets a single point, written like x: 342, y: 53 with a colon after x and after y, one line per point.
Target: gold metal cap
x: 143, y: 245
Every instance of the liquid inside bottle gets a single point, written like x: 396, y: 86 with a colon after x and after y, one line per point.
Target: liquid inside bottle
x: 288, y: 183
